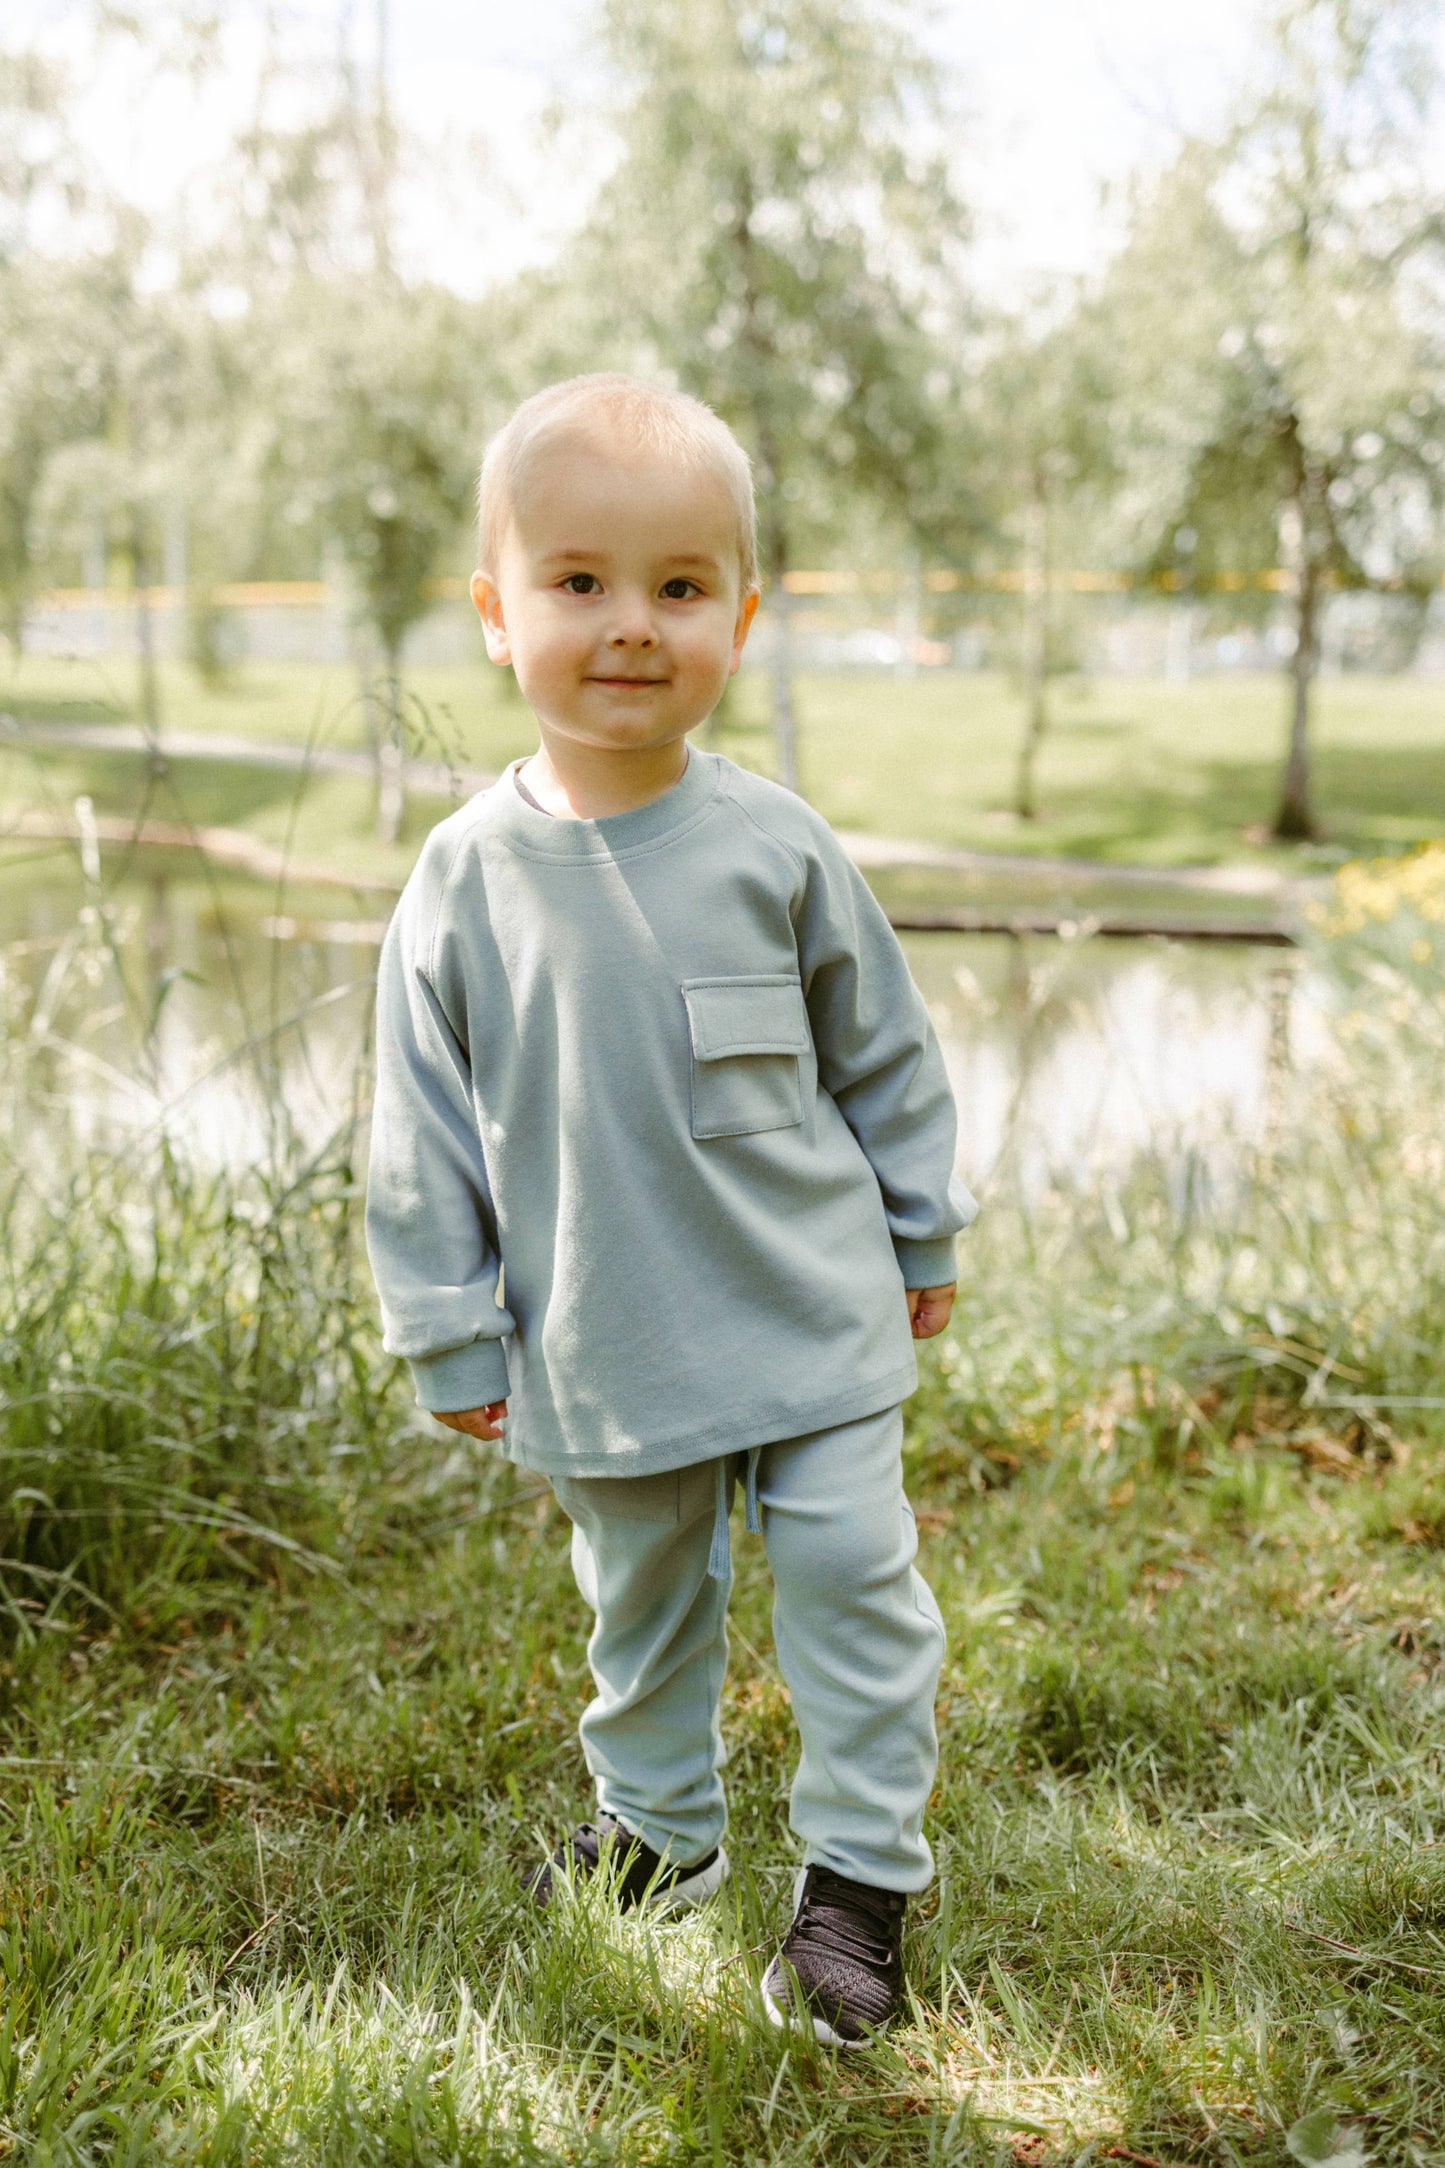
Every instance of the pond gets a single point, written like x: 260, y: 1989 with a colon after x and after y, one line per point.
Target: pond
x: 239, y: 1022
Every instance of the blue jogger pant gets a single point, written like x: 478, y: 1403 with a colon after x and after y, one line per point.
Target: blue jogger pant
x: 858, y: 1636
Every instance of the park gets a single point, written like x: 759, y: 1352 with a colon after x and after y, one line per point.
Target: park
x: 1103, y: 618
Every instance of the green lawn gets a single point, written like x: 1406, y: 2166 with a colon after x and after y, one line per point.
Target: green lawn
x: 260, y: 1850
x: 289, y: 1681
x: 476, y: 714
x: 1134, y: 770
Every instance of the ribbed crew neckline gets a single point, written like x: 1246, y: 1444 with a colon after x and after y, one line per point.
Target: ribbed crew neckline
x: 544, y: 835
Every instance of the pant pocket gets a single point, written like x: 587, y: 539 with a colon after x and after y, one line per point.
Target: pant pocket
x: 653, y: 1498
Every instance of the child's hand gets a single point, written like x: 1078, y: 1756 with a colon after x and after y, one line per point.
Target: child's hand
x: 482, y: 1422
x: 928, y: 1310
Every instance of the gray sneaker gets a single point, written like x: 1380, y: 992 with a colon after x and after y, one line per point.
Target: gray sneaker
x: 840, y: 1968
x: 643, y: 1876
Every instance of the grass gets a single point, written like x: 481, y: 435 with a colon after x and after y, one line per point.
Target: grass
x: 1134, y: 770
x: 289, y: 1683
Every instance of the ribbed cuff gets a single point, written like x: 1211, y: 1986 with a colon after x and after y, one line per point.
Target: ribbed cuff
x: 461, y: 1377
x: 927, y: 1264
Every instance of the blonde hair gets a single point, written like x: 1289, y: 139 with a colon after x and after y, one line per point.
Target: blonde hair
x: 643, y: 416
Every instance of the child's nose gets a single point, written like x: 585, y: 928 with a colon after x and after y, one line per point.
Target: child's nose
x: 634, y: 625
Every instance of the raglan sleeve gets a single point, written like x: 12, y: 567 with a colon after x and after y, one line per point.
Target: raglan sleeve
x: 430, y: 1224
x: 880, y: 1062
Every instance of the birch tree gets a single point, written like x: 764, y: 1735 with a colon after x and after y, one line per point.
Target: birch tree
x: 373, y: 425
x: 1278, y: 311
x: 776, y: 235
x: 1045, y: 456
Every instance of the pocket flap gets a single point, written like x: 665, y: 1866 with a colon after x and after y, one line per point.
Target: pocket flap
x: 746, y: 1016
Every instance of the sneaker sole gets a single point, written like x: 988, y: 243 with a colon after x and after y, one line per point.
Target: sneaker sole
x: 692, y: 1891
x: 785, y: 2021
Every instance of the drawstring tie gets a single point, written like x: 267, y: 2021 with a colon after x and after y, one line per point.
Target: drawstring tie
x: 720, y: 1557
x: 750, y: 1494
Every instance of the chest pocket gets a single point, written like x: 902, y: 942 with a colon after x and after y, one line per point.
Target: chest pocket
x: 747, y: 1037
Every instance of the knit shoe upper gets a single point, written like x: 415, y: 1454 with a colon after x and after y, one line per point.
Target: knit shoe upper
x: 643, y: 1876
x: 841, y: 1963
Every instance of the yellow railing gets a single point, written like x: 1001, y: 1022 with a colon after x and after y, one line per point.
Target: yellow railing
x: 313, y: 594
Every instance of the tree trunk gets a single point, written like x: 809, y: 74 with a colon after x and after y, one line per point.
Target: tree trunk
x: 1179, y: 644
x: 370, y: 714
x: 757, y: 340
x: 780, y: 650
x: 1295, y: 821
x: 150, y: 701
x: 785, y: 733
x: 391, y: 755
x: 1036, y: 651
x: 385, y: 157
x: 908, y: 619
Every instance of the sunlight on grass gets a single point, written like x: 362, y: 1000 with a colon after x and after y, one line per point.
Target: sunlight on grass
x: 290, y: 1682
x: 1133, y: 769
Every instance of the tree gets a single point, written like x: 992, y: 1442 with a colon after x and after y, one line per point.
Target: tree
x: 773, y: 236
x: 1045, y: 457
x: 364, y: 416
x: 131, y: 469
x: 373, y: 408
x: 41, y: 169
x: 1279, y: 312
x: 49, y: 370
x: 109, y: 378
x: 51, y: 375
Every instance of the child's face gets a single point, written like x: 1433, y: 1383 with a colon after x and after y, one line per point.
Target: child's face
x: 616, y: 598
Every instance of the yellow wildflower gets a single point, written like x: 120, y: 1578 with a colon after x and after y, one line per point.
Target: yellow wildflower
x: 1373, y: 893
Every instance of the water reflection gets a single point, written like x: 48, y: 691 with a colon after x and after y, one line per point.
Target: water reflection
x: 240, y: 1023
x: 1068, y: 1058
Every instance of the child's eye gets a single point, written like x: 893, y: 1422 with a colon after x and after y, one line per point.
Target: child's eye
x: 678, y: 590
x: 581, y: 583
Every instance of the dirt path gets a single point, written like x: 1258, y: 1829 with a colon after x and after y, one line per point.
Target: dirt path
x: 224, y: 745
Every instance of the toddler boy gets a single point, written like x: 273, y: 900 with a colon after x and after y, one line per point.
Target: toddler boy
x: 661, y: 1184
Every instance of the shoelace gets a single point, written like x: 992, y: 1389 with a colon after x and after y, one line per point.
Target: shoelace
x: 862, y: 1922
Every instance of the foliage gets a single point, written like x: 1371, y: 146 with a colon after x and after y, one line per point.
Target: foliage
x: 180, y: 1393
x: 773, y: 231
x: 1043, y: 420
x: 1278, y: 313
x: 176, y: 1395
x: 374, y: 397
x: 1390, y: 913
x: 367, y: 433
x: 780, y: 234
x: 41, y: 167
x: 51, y: 394
x: 260, y: 387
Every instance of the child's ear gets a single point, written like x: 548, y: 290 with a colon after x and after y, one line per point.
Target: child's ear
x: 747, y: 611
x: 488, y: 605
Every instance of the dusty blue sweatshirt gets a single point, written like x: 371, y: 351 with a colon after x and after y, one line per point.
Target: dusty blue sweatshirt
x: 662, y: 1085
